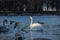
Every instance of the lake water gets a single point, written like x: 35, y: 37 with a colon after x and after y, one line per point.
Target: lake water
x: 25, y: 20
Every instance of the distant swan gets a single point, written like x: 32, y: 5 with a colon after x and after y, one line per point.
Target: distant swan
x: 32, y: 25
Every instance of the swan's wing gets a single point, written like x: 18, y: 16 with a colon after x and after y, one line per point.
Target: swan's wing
x: 35, y: 25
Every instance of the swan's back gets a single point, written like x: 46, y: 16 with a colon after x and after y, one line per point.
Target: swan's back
x: 35, y: 25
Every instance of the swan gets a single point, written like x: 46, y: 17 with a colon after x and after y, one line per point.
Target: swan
x: 32, y: 25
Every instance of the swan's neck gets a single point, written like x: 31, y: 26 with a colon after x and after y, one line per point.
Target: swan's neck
x: 31, y: 21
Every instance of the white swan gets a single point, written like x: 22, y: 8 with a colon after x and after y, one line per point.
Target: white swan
x: 32, y: 25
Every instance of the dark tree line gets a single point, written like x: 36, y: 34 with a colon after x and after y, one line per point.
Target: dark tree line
x: 30, y: 5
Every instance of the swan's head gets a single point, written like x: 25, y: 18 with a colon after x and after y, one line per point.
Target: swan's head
x: 30, y: 17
